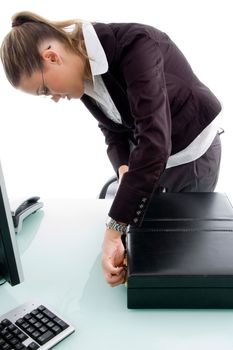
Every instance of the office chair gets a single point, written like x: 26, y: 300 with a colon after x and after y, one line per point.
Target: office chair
x: 109, y: 189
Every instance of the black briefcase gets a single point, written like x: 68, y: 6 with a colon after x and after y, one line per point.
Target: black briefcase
x: 182, y: 255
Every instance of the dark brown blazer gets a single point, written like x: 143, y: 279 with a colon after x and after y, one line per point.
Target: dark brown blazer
x: 163, y: 106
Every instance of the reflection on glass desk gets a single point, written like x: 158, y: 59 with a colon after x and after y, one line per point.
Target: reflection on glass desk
x: 61, y: 257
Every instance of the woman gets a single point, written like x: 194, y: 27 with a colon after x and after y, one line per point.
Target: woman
x: 156, y: 115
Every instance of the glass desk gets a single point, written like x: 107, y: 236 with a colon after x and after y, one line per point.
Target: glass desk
x: 61, y: 256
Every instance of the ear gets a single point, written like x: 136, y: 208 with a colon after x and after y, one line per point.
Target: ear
x: 51, y: 56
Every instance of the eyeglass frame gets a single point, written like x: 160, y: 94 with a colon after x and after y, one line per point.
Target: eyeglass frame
x: 43, y: 91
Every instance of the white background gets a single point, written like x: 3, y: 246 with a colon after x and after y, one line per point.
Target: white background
x: 57, y: 150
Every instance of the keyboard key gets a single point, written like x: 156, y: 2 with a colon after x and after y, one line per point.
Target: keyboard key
x: 60, y: 323
x: 30, y: 330
x: 19, y: 346
x: 27, y: 317
x: 32, y: 320
x: 45, y: 320
x: 41, y: 308
x: 33, y: 346
x: 38, y: 324
x: 36, y: 335
x: 25, y: 325
x: 16, y: 331
x: 12, y: 328
x: 43, y: 329
x: 49, y: 314
x: 5, y: 323
x: 13, y: 341
x: 39, y: 316
x: 8, y: 335
x: 1, y: 341
x: 44, y: 338
x: 34, y: 312
x: 50, y: 324
x: 3, y: 333
x: 22, y: 336
x: 56, y: 330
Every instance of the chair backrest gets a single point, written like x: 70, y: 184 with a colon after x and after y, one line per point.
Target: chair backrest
x: 109, y: 189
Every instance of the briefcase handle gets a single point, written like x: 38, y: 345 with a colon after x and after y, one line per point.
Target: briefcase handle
x: 125, y: 261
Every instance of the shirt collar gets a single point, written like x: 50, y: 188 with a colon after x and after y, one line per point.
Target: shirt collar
x: 97, y: 57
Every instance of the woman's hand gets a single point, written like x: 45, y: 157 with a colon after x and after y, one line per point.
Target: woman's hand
x: 113, y: 251
x: 122, y: 169
x: 113, y: 258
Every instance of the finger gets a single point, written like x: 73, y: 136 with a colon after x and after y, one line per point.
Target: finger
x: 115, y: 257
x: 116, y: 274
x: 119, y: 282
x: 119, y: 258
x: 114, y: 281
x: 109, y: 268
x: 110, y: 276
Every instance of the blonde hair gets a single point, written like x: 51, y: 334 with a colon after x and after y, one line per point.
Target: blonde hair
x: 20, y: 48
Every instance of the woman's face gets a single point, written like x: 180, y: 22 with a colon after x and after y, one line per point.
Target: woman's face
x: 62, y: 75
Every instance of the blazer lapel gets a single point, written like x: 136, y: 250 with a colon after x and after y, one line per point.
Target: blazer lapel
x: 99, y: 115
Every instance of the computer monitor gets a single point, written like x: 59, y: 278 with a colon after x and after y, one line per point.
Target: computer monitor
x: 10, y: 264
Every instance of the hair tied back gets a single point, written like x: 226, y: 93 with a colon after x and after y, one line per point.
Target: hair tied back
x: 19, y: 20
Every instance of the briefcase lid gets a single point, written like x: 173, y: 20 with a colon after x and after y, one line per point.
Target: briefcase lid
x: 189, y: 205
x: 185, y: 240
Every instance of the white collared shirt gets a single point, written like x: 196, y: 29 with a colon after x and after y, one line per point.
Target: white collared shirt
x: 99, y: 65
x: 97, y: 90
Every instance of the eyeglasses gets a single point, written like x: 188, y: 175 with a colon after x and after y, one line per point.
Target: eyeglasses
x: 43, y: 90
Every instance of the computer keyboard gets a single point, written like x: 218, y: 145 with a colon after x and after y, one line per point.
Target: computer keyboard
x: 32, y: 326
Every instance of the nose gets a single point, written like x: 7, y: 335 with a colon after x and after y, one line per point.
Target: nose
x: 56, y: 98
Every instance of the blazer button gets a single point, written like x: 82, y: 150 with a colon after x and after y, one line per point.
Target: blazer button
x: 144, y: 199
x: 139, y: 212
x: 135, y: 220
x: 141, y: 206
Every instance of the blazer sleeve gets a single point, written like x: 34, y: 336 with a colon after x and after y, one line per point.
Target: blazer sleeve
x: 116, y: 136
x: 141, y: 64
x: 118, y: 148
